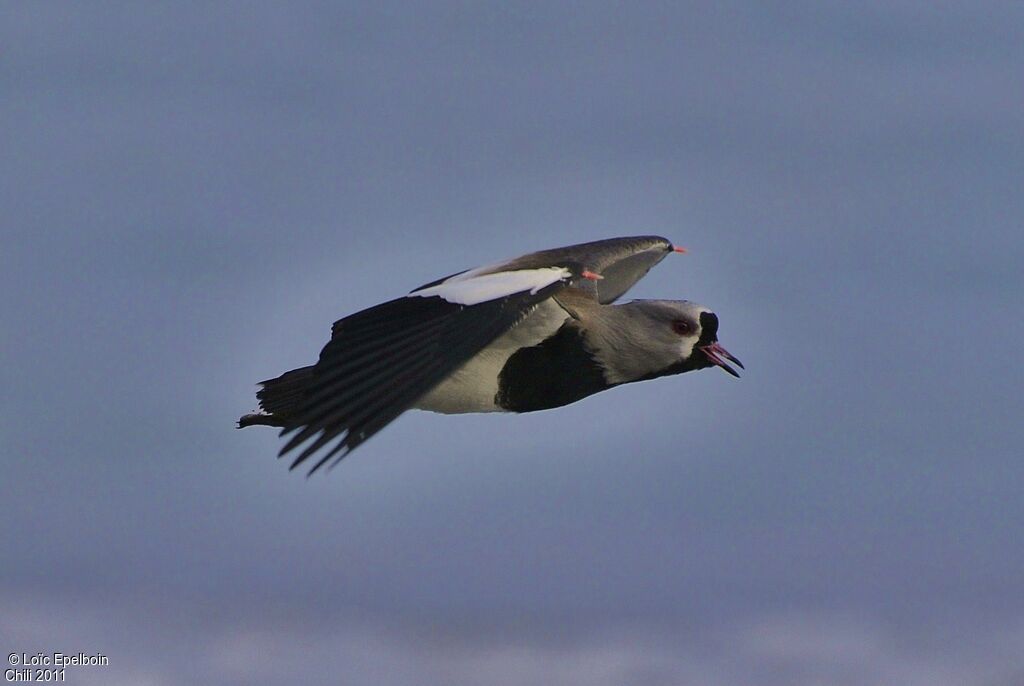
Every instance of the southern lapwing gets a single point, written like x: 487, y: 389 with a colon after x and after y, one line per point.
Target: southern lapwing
x: 531, y: 333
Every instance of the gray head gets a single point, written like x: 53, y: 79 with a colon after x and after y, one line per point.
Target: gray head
x: 645, y: 339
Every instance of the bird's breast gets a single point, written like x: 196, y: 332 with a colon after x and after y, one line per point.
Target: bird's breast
x: 474, y: 386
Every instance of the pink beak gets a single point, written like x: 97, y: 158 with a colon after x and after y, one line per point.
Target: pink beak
x: 716, y: 353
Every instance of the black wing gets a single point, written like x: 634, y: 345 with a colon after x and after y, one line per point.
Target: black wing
x: 381, y: 360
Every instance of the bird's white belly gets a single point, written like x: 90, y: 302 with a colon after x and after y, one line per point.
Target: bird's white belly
x: 473, y: 386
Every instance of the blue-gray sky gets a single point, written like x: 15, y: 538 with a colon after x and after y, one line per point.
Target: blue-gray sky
x: 191, y: 196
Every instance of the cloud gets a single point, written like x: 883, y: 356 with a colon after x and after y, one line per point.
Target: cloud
x: 268, y: 646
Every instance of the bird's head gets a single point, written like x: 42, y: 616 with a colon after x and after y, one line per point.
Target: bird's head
x: 661, y: 337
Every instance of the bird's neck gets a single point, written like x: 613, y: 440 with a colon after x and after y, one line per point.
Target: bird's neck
x: 620, y: 339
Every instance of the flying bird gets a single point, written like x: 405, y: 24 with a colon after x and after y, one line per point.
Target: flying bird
x: 531, y: 333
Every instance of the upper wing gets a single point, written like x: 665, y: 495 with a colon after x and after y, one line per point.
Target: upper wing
x: 620, y: 261
x: 381, y: 360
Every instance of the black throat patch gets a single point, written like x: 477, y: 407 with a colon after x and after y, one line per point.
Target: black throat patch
x: 558, y: 371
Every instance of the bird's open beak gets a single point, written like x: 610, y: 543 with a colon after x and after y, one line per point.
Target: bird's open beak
x: 716, y: 353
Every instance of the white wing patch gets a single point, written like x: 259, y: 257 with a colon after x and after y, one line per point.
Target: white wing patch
x: 472, y: 287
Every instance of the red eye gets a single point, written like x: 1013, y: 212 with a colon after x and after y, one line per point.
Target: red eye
x: 682, y: 327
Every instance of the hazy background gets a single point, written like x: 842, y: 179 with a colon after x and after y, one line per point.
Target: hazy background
x: 190, y: 196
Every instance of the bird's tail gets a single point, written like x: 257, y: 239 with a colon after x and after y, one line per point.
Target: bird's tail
x: 279, y: 398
